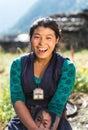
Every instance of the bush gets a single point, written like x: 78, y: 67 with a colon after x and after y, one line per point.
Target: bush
x: 6, y: 109
x: 81, y: 83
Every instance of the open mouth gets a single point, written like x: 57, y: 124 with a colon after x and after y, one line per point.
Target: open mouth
x: 42, y: 50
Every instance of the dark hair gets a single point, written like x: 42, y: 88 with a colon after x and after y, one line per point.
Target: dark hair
x: 46, y: 22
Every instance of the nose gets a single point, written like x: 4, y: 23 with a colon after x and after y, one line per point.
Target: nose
x: 42, y: 41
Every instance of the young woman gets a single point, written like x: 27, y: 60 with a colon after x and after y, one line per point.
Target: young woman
x: 42, y: 77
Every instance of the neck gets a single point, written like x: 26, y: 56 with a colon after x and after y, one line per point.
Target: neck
x: 44, y: 61
x: 40, y: 66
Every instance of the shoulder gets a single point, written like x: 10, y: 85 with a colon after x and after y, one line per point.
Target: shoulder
x: 26, y: 59
x: 59, y: 59
x: 20, y: 58
x: 27, y: 56
x: 59, y: 56
x: 16, y: 61
x: 68, y: 68
x: 15, y: 65
x: 68, y: 63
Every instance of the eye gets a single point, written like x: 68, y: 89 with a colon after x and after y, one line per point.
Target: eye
x: 38, y: 119
x: 49, y: 38
x: 36, y: 37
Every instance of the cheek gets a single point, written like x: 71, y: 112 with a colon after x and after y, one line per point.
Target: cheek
x: 52, y: 45
x: 33, y: 44
x: 33, y: 41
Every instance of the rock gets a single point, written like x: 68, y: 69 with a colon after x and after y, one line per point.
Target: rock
x: 80, y: 120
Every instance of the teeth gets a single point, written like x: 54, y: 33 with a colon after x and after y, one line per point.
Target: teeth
x: 42, y: 49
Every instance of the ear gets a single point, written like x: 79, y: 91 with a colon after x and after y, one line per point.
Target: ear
x: 57, y: 40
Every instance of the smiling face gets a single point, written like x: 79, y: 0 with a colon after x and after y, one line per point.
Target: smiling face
x: 43, y: 120
x: 43, y: 42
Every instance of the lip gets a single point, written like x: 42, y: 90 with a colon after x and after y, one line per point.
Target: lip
x: 42, y: 51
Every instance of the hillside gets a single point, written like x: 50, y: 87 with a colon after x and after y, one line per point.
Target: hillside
x: 44, y: 8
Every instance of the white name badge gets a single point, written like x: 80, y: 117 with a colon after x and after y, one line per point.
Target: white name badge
x: 38, y: 94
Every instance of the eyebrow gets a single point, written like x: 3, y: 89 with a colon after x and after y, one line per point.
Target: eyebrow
x: 46, y: 34
x: 36, y: 34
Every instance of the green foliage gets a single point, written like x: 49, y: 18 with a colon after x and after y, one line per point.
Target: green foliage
x: 81, y: 83
x: 6, y: 109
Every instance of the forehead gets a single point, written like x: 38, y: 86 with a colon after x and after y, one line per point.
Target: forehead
x: 43, y: 30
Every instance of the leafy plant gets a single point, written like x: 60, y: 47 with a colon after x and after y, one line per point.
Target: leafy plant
x: 6, y: 109
x: 81, y: 83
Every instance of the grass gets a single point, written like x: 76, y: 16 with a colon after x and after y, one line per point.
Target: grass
x: 80, y: 57
x: 5, y: 61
